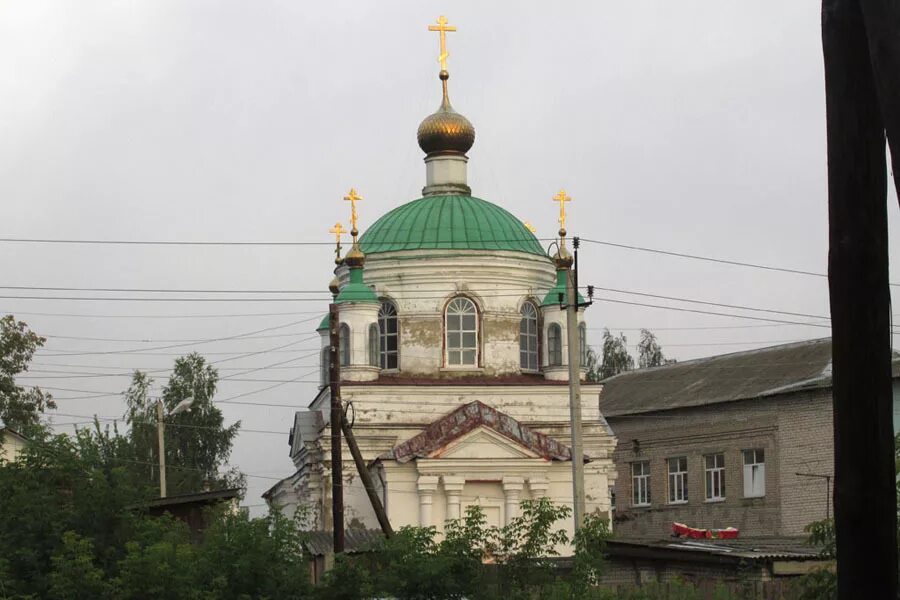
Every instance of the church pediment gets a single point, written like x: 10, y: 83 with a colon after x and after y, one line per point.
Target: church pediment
x: 476, y: 427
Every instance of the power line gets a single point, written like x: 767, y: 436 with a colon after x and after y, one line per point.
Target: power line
x: 191, y: 316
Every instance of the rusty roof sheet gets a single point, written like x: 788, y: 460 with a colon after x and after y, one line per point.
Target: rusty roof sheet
x: 724, y: 378
x: 468, y: 417
x: 320, y: 543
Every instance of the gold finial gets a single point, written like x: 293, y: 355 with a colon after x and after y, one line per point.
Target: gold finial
x: 353, y: 198
x: 530, y: 227
x: 443, y: 28
x: 562, y: 198
x: 337, y: 230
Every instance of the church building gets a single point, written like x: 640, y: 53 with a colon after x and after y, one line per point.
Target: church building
x: 453, y: 360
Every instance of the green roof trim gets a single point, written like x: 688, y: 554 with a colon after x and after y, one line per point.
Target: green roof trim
x: 356, y: 290
x: 456, y: 222
x: 552, y: 297
x: 326, y: 322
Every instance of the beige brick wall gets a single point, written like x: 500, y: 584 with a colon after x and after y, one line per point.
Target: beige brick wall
x: 795, y: 432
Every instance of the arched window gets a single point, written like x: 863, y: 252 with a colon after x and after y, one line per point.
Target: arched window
x: 389, y: 334
x: 325, y: 367
x: 462, y: 333
x: 344, y: 346
x: 528, y: 337
x: 373, y: 345
x: 554, y: 345
x: 582, y: 344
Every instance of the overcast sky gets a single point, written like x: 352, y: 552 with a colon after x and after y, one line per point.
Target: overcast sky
x: 695, y: 127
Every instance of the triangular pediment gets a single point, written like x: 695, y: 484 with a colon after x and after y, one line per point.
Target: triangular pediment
x: 483, y: 443
x: 499, y: 433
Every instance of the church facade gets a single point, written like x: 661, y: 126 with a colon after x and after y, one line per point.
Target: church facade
x: 453, y: 359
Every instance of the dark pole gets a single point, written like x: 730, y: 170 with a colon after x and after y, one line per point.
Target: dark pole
x: 864, y: 494
x: 334, y: 375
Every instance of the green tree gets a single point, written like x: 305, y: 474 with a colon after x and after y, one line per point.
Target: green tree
x: 592, y: 365
x: 20, y: 407
x: 198, y: 444
x: 616, y: 358
x: 650, y: 353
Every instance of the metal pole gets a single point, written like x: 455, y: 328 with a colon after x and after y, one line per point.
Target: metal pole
x: 161, y: 435
x: 575, y: 400
x: 337, y: 468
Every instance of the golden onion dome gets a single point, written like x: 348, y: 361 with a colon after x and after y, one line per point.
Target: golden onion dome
x: 446, y: 130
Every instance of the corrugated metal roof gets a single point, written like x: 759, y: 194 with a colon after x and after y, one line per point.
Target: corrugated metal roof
x: 320, y: 543
x: 768, y: 548
x: 724, y: 378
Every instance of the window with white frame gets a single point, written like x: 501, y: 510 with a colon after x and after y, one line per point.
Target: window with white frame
x: 373, y: 345
x: 554, y: 345
x: 462, y: 333
x: 754, y: 473
x: 528, y: 337
x: 582, y: 344
x: 640, y: 483
x: 344, y: 344
x: 715, y: 476
x: 678, y: 482
x: 325, y: 372
x: 389, y: 336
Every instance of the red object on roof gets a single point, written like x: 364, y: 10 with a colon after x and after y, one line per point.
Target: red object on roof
x: 682, y: 530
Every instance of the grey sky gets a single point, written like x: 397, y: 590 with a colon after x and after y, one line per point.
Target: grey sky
x: 691, y: 126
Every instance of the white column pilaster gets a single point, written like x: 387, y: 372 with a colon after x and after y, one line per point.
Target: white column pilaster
x: 538, y: 487
x: 512, y: 488
x: 427, y: 484
x: 453, y: 487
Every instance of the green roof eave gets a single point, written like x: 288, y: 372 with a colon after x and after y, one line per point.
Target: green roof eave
x: 325, y: 324
x: 356, y: 290
x: 552, y: 297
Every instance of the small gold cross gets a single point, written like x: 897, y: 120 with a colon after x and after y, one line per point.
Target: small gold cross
x: 337, y: 230
x: 562, y: 198
x: 443, y: 28
x: 352, y: 197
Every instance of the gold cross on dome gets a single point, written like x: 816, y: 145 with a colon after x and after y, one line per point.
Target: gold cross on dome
x: 530, y: 227
x: 562, y: 198
x: 443, y: 28
x: 337, y: 230
x: 352, y: 197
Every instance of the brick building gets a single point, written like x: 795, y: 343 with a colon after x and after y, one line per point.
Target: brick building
x: 738, y: 440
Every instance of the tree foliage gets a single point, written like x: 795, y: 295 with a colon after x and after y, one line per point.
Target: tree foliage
x: 198, y: 444
x: 650, y: 353
x: 20, y: 407
x: 616, y: 358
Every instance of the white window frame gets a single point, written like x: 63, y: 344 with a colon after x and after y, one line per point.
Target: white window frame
x: 754, y: 461
x: 344, y: 347
x: 325, y: 367
x: 529, y: 336
x: 554, y: 345
x: 640, y: 483
x: 373, y: 345
x: 582, y: 344
x: 457, y: 308
x: 714, y: 476
x: 678, y: 480
x: 387, y: 314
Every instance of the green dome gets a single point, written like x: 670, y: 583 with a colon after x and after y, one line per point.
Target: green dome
x: 449, y: 222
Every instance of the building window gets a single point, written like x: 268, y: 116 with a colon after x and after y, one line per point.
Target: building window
x: 462, y: 333
x: 344, y: 344
x: 678, y: 482
x: 754, y: 474
x: 554, y: 345
x: 640, y: 483
x: 373, y: 345
x: 715, y: 476
x: 528, y: 338
x: 582, y: 344
x: 325, y: 373
x: 389, y: 334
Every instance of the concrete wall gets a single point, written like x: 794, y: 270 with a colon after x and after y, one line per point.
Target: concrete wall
x: 795, y: 432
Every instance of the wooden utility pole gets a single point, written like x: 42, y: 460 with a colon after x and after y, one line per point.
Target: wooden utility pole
x: 572, y: 334
x: 337, y: 467
x: 864, y: 493
x: 366, y: 479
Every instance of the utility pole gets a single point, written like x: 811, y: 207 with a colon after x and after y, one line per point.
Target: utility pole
x: 161, y: 439
x: 575, y: 398
x: 861, y: 47
x: 337, y: 468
